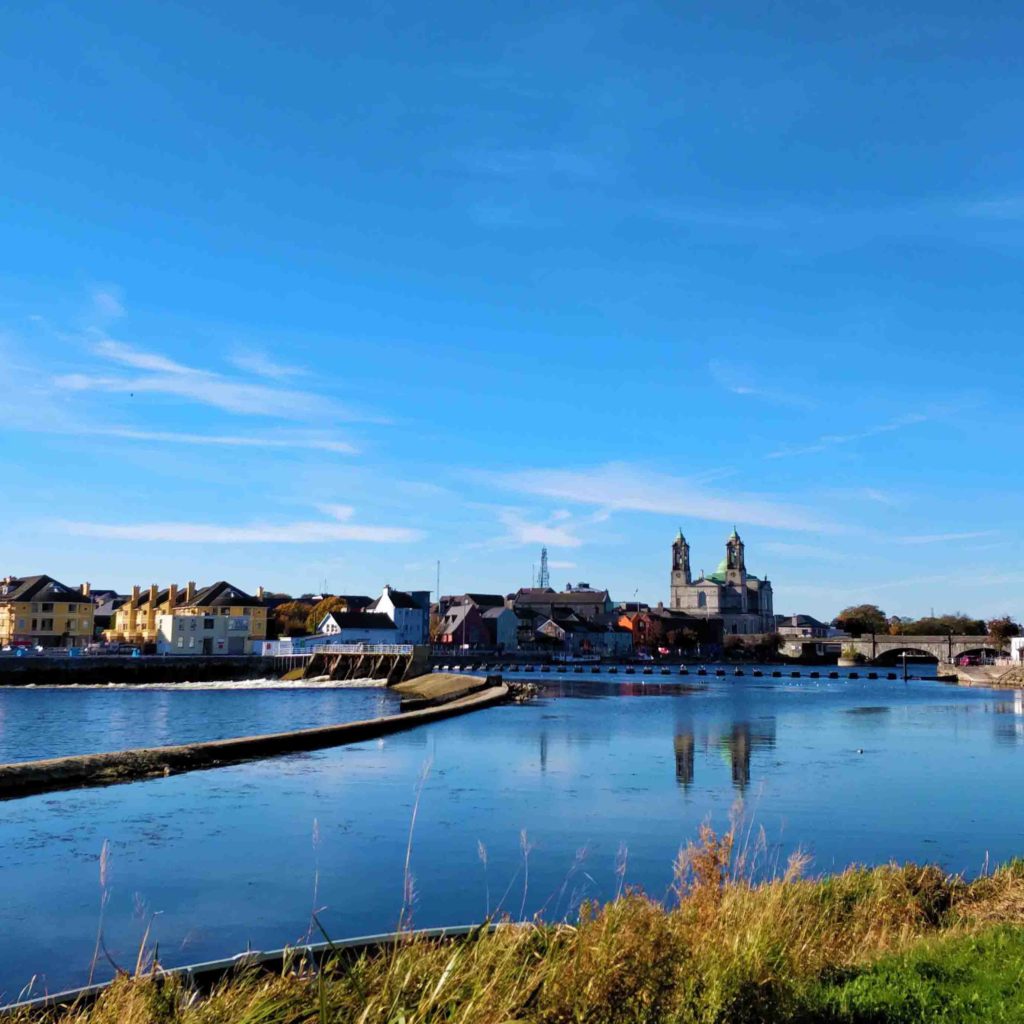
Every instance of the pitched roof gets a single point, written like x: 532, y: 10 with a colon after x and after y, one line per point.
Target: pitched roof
x: 799, y: 620
x: 494, y: 613
x: 552, y: 597
x: 221, y: 594
x: 359, y: 620
x: 487, y: 600
x: 36, y: 588
x: 399, y: 598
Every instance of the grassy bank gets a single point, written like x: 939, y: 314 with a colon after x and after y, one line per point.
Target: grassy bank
x: 897, y: 943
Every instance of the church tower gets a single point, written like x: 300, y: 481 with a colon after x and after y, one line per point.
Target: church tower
x: 681, y: 560
x: 681, y: 576
x: 736, y: 567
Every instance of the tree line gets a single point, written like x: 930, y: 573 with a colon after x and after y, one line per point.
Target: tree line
x: 869, y: 618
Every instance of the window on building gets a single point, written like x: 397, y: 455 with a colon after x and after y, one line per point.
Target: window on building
x: 207, y: 623
x: 48, y: 607
x: 46, y: 625
x: 181, y: 641
x: 35, y: 625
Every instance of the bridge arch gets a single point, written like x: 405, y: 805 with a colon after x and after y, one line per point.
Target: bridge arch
x: 982, y: 652
x: 894, y: 655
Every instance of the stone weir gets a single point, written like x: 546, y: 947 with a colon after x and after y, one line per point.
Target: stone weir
x: 65, y: 671
x: 429, y: 699
x: 390, y: 665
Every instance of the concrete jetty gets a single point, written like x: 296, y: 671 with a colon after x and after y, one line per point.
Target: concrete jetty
x: 456, y: 695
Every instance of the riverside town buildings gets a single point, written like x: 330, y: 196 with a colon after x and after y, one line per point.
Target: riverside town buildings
x: 742, y: 601
x: 217, y: 619
x: 39, y: 610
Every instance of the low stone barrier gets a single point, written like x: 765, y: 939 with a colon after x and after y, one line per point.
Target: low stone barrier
x: 31, y: 777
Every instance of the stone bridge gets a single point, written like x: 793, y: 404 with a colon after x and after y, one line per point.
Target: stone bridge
x: 883, y: 649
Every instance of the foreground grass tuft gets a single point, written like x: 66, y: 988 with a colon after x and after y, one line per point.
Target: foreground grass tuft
x: 896, y: 943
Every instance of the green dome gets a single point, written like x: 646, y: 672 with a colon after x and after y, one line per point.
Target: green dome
x: 719, y: 574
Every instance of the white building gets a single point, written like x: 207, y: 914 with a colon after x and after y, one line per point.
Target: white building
x: 358, y: 628
x: 202, y: 634
x: 410, y: 612
x: 1017, y: 650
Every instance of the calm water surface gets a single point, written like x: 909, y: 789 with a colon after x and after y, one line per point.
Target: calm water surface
x: 600, y: 771
x: 38, y: 722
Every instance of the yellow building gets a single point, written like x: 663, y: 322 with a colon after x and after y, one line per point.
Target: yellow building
x: 137, y: 621
x: 40, y: 610
x: 222, y: 598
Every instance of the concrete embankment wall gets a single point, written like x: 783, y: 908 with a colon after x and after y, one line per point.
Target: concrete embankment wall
x: 30, y: 777
x: 985, y: 675
x: 64, y: 671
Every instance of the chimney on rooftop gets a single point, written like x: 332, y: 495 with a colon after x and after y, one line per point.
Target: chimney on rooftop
x: 259, y: 593
x: 190, y: 591
x: 172, y: 597
x: 135, y: 595
x: 86, y: 587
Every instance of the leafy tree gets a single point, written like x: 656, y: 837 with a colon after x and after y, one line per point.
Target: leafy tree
x: 288, y: 619
x: 896, y: 626
x: 324, y: 607
x: 940, y: 625
x: 862, y: 618
x: 1002, y: 629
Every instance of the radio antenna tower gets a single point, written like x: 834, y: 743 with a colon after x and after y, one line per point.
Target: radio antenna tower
x: 543, y: 577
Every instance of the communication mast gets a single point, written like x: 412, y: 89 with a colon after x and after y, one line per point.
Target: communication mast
x: 543, y: 577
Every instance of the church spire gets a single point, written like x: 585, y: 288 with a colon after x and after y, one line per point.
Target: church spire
x: 680, y: 560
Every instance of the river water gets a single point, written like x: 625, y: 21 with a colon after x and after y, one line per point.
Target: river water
x: 523, y: 808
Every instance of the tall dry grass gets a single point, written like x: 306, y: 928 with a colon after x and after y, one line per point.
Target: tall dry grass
x: 727, y: 949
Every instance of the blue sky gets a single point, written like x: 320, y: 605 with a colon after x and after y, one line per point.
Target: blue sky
x: 332, y: 292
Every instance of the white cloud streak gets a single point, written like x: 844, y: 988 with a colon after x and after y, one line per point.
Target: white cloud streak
x: 521, y: 531
x: 169, y: 377
x: 303, y: 532
x: 300, y: 441
x: 616, y: 486
x: 943, y: 538
x: 259, y: 363
x: 827, y: 441
x: 742, y: 381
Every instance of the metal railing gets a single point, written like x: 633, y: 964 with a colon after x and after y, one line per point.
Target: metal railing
x: 203, y: 976
x: 284, y: 651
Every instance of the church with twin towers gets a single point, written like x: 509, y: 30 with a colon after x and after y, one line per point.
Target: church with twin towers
x: 742, y: 601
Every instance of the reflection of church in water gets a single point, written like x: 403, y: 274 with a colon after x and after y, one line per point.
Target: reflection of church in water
x: 738, y: 744
x: 742, y: 601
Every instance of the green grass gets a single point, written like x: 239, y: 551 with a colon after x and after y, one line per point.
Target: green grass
x: 943, y: 981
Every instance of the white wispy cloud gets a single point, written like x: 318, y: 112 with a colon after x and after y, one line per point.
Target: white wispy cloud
x: 562, y: 164
x: 861, y: 494
x: 259, y: 363
x: 107, y: 304
x: 942, y: 538
x: 827, y: 441
x: 618, y: 485
x: 561, y: 565
x: 816, y: 552
x: 746, y: 382
x: 170, y: 377
x: 1003, y: 208
x: 522, y: 531
x: 298, y: 441
x: 337, y: 528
